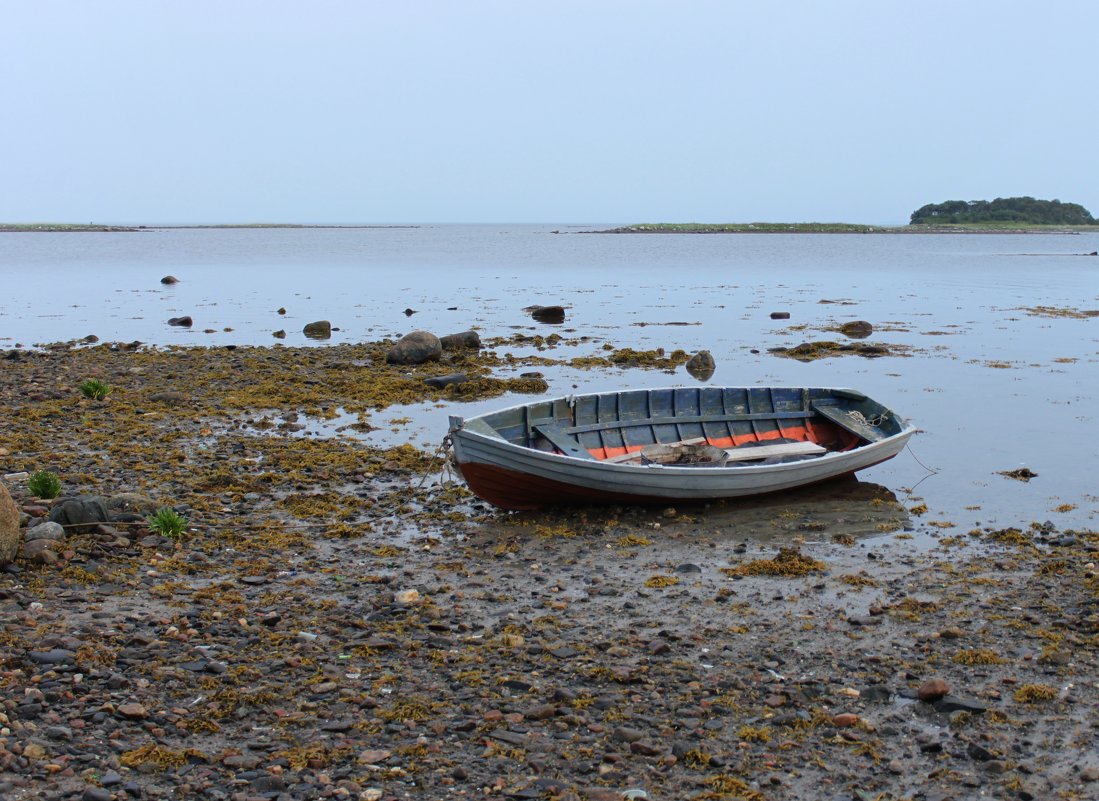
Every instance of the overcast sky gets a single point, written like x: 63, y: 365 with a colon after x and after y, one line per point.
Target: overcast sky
x: 525, y: 111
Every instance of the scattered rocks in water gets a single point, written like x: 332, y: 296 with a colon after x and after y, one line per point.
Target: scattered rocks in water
x: 415, y: 348
x: 185, y: 321
x: 465, y: 340
x: 547, y: 314
x: 857, y: 329
x: 780, y: 315
x: 169, y: 280
x: 280, y: 334
x: 280, y: 310
x: 1019, y: 474
x: 701, y: 366
x: 318, y: 329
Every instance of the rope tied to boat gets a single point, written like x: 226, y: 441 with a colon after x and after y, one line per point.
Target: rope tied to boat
x: 874, y: 420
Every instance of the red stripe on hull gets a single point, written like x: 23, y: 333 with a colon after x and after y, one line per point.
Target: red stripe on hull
x: 510, y: 489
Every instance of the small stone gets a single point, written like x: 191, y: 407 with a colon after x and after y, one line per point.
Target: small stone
x: 132, y: 711
x: 407, y: 597
x: 780, y: 315
x: 624, y: 734
x: 97, y: 794
x: 932, y: 690
x: 845, y: 719
x: 169, y: 280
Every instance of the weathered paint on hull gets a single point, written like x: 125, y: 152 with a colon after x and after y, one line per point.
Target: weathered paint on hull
x: 509, y: 489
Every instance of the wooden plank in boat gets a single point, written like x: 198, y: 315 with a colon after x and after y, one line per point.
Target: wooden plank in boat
x: 848, y: 422
x: 744, y: 454
x: 562, y: 440
x: 694, y: 418
x: 636, y: 455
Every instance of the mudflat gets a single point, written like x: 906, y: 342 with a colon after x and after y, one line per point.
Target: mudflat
x: 345, y: 621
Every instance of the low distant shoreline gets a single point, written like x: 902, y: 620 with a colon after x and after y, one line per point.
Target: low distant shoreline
x: 841, y: 228
x: 95, y: 228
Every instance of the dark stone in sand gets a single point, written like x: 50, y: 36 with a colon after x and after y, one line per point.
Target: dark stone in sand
x: 56, y: 656
x: 415, y: 348
x: 978, y: 753
x: 951, y: 703
x: 463, y: 339
x: 318, y: 329
x: 81, y: 515
x: 185, y: 321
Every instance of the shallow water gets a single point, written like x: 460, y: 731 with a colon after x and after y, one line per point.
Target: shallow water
x: 992, y: 386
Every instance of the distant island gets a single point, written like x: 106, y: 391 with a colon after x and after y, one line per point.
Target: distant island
x: 1021, y: 215
x: 1002, y: 210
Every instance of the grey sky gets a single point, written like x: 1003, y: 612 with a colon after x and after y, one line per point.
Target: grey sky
x: 329, y: 111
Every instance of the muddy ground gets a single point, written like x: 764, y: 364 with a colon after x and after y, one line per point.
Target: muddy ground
x: 338, y: 622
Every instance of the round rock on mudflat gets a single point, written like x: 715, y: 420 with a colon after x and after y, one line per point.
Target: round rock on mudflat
x: 415, y: 348
x: 10, y: 539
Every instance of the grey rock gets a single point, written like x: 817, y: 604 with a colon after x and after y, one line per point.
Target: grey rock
x: 780, y: 315
x: 952, y: 703
x: 131, y: 502
x: 185, y: 321
x: 80, y: 515
x: 415, y: 348
x: 460, y: 341
x: 857, y: 329
x: 446, y: 380
x: 55, y: 656
x: 47, y: 530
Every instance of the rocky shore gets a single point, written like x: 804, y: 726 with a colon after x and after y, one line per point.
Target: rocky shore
x: 341, y: 621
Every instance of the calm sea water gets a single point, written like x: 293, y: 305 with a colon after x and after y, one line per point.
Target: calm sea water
x: 992, y: 385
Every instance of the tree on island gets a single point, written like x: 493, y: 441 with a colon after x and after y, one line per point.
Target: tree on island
x: 1022, y: 210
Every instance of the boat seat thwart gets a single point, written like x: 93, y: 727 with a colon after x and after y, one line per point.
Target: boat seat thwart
x: 851, y: 421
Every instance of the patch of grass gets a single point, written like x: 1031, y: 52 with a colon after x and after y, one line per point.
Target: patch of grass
x: 94, y: 389
x: 167, y: 522
x: 44, y: 484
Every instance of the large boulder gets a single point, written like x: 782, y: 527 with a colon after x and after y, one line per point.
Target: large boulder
x: 10, y: 536
x: 415, y: 348
x: 318, y: 329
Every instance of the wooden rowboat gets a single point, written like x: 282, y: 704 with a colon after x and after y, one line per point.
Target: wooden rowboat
x: 658, y: 445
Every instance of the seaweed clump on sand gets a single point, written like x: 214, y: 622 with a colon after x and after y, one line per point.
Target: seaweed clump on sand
x: 789, y: 563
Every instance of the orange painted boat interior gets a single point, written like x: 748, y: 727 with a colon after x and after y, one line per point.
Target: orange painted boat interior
x: 822, y: 432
